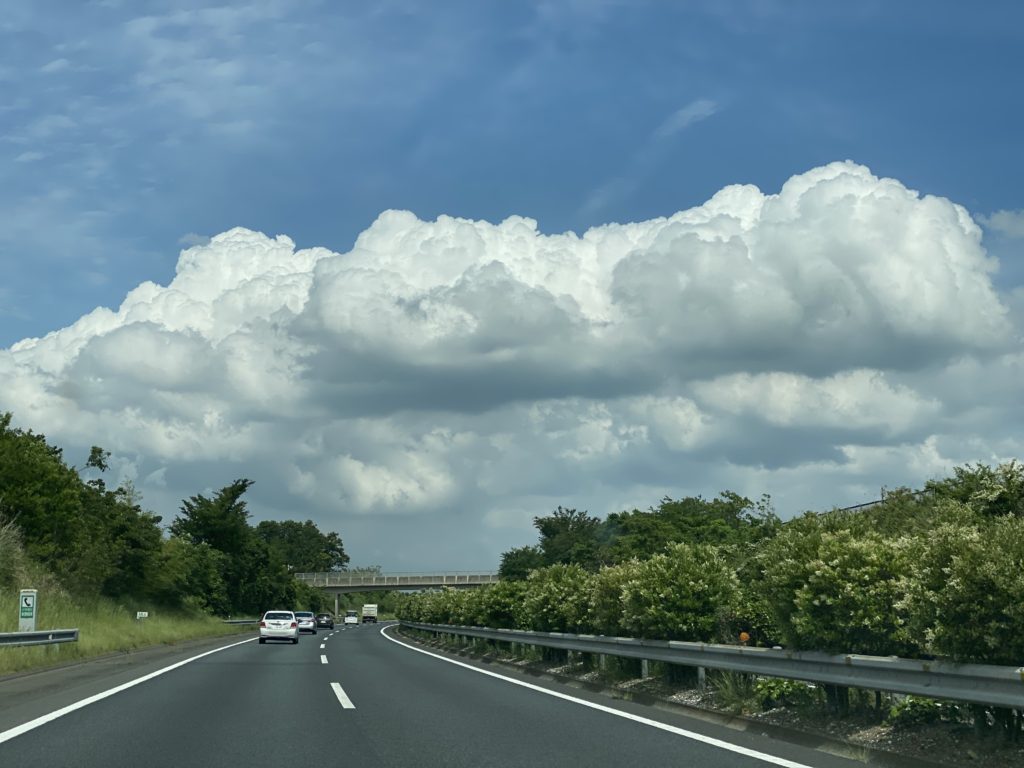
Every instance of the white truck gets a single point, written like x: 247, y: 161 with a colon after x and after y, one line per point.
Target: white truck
x: 370, y: 613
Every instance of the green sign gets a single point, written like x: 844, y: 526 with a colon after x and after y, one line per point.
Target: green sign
x: 27, y: 611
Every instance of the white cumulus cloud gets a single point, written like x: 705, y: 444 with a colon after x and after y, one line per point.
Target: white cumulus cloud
x: 457, y: 369
x: 1009, y: 223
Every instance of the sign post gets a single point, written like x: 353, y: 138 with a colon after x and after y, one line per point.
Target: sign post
x: 27, y: 608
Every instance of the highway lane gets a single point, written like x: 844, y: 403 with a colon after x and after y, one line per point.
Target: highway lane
x: 276, y: 704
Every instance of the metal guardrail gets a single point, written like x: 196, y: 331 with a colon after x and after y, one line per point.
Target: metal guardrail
x: 241, y: 621
x: 44, y: 637
x: 398, y: 580
x: 977, y: 683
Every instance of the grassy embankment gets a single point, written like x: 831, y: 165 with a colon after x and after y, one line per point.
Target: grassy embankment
x: 104, y: 625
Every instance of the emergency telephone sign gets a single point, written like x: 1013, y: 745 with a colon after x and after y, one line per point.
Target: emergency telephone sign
x: 27, y: 610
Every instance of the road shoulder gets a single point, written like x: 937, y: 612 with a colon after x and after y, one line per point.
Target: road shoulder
x: 27, y: 695
x: 696, y: 719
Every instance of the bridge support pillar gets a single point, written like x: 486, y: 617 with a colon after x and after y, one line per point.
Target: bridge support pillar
x: 336, y: 596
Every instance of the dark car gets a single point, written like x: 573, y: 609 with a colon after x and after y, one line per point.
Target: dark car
x: 325, y: 620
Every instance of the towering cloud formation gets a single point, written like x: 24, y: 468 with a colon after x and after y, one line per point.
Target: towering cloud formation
x: 464, y: 365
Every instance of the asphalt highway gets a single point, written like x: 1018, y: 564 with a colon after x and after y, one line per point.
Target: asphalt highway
x: 356, y: 695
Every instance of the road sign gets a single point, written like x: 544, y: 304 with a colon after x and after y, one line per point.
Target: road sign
x: 27, y: 606
x: 141, y: 615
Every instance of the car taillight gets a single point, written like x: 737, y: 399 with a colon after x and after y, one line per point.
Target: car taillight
x: 294, y: 625
x: 263, y: 624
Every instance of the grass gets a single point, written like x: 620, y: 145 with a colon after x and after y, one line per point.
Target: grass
x: 104, y: 626
x: 735, y: 692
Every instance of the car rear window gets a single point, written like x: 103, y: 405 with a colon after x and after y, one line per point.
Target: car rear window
x: 278, y: 615
x: 304, y: 615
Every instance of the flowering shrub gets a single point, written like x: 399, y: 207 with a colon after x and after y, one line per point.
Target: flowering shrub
x: 606, y: 598
x: 683, y: 594
x: 555, y: 600
x: 836, y: 591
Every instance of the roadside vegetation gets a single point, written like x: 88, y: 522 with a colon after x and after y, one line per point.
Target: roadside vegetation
x: 105, y: 626
x: 97, y: 557
x: 930, y: 574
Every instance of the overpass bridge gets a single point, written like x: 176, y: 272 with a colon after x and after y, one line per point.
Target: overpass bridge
x: 340, y: 582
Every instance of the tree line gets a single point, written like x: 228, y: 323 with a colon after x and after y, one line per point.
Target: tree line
x: 101, y: 541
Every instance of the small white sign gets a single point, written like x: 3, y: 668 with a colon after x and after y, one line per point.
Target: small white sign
x: 27, y: 610
x: 142, y: 614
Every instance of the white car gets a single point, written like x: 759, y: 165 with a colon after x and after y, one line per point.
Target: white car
x: 307, y: 621
x: 279, y: 625
x: 351, y: 617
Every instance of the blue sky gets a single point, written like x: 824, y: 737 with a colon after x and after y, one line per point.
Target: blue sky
x: 484, y: 372
x: 128, y: 126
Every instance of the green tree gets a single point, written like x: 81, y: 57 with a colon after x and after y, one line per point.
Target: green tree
x: 255, y: 576
x: 191, y: 575
x: 517, y: 563
x: 991, y: 492
x: 39, y: 493
x: 92, y: 539
x: 98, y: 458
x: 221, y: 521
x: 569, y: 536
x: 637, y: 535
x: 728, y: 520
x: 302, y: 546
x: 133, y: 542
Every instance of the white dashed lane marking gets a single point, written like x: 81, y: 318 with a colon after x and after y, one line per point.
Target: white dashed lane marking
x: 346, y: 702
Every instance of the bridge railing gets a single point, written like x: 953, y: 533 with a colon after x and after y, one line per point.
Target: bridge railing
x: 398, y: 580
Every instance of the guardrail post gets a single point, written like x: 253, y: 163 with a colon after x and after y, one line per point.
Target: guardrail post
x: 702, y: 678
x: 645, y: 668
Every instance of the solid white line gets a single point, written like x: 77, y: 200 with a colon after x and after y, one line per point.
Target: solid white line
x: 780, y: 761
x: 346, y: 702
x: 51, y: 716
x: 323, y: 659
